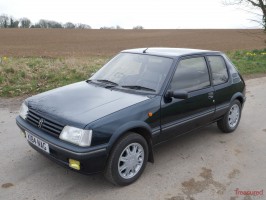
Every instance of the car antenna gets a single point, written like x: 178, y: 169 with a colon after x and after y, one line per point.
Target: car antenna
x: 144, y: 51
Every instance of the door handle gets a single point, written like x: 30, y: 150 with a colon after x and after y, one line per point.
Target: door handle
x: 210, y: 95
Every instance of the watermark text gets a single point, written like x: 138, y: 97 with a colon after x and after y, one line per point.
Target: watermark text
x: 248, y: 192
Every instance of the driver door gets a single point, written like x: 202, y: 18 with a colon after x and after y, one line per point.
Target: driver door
x: 182, y: 115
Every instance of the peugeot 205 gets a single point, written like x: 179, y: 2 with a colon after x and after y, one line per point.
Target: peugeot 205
x: 139, y: 99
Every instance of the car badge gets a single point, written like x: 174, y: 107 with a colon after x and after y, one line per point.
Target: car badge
x: 40, y: 122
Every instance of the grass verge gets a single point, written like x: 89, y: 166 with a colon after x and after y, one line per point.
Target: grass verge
x: 26, y: 76
x: 249, y: 62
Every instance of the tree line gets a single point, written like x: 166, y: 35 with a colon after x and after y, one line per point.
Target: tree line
x: 10, y: 22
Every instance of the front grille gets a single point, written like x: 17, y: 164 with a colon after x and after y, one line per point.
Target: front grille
x: 47, y: 125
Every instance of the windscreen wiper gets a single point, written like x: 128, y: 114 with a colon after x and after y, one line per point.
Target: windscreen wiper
x: 107, y: 81
x: 138, y: 87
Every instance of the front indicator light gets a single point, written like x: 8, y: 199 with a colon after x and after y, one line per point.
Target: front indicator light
x: 23, y: 111
x: 75, y: 164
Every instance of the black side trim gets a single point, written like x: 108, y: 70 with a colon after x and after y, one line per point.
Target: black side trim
x: 222, y: 107
x: 188, y: 119
x: 156, y: 131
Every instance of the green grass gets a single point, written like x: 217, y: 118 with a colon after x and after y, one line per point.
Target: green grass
x: 249, y: 62
x: 26, y: 76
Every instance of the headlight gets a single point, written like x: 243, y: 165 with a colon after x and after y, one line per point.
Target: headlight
x: 23, y: 111
x: 77, y: 136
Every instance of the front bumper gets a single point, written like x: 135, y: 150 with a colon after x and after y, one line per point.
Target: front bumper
x: 92, y: 159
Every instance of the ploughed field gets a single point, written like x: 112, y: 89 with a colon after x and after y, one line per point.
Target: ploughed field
x: 69, y: 42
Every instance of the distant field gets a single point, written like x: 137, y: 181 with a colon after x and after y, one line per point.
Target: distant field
x: 80, y: 43
x: 36, y: 60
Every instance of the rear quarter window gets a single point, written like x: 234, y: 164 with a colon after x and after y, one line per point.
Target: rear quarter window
x: 219, y: 69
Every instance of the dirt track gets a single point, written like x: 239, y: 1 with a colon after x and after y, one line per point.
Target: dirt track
x: 202, y: 165
x: 60, y: 42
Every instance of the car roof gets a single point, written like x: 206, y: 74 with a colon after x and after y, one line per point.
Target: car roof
x: 170, y: 52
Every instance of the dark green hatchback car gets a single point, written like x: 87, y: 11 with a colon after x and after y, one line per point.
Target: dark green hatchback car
x: 142, y: 97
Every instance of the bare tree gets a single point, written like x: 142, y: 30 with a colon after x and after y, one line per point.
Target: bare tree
x: 69, y: 25
x: 43, y: 23
x: 107, y: 27
x: 138, y: 27
x: 25, y: 22
x: 54, y: 24
x: 83, y: 26
x: 257, y: 4
x: 4, y: 21
x: 37, y: 25
x: 13, y: 23
x: 118, y: 27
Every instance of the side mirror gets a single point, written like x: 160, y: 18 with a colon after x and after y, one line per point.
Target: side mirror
x: 178, y: 94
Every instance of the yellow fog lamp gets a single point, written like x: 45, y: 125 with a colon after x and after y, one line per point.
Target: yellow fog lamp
x: 75, y: 164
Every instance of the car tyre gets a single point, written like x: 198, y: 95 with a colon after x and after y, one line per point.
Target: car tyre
x: 231, y: 119
x: 127, y: 160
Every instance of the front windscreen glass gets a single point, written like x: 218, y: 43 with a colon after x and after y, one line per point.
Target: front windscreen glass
x: 134, y: 72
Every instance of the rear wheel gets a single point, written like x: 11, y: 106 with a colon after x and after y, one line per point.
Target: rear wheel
x: 127, y: 160
x: 231, y: 119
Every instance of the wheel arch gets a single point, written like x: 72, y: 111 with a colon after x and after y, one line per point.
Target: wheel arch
x: 238, y: 96
x: 140, y: 128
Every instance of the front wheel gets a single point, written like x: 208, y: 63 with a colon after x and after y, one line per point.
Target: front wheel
x: 127, y: 160
x: 231, y: 119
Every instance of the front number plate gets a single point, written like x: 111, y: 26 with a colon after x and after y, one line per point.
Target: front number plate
x: 37, y: 142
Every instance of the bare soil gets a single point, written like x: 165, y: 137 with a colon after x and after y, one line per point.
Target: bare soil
x: 62, y: 42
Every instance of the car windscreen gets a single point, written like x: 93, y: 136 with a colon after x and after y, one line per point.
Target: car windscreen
x: 135, y: 72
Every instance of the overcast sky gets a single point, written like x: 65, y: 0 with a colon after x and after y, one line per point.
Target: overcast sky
x: 157, y: 14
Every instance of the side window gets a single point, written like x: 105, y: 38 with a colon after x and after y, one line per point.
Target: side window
x: 219, y: 70
x: 191, y: 74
